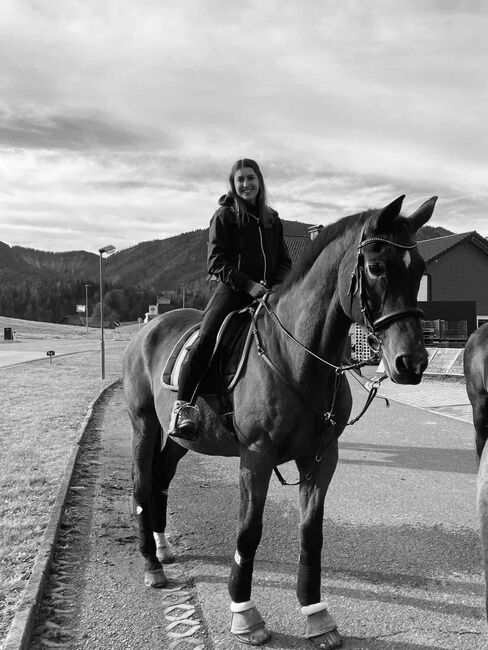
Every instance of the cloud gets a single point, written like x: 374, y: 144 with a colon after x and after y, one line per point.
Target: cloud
x: 79, y: 132
x: 122, y: 119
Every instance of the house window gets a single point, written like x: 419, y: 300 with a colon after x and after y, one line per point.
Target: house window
x: 481, y: 320
x: 424, y: 289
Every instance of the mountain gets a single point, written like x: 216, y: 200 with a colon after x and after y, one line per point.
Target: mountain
x: 18, y: 264
x: 44, y: 285
x: 161, y: 264
x: 431, y: 232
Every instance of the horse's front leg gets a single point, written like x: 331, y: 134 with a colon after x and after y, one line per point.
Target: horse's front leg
x: 255, y: 472
x: 315, y: 477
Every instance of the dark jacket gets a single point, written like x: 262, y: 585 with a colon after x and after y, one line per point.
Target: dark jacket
x: 239, y: 254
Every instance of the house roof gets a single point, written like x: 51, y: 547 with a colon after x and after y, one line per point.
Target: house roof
x: 297, y: 245
x: 432, y: 249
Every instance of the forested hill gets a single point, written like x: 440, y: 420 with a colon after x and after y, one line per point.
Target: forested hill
x: 41, y: 285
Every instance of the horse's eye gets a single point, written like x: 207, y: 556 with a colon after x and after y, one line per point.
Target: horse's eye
x: 376, y: 269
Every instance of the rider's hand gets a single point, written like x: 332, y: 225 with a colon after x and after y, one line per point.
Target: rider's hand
x: 257, y: 290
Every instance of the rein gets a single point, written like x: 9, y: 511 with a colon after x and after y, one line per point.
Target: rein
x: 357, y: 284
x: 339, y: 371
x: 323, y: 418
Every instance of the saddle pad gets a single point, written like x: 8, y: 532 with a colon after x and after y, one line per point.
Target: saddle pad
x: 228, y: 357
x: 172, y: 368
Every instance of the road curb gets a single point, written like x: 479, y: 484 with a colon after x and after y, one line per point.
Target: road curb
x: 22, y: 627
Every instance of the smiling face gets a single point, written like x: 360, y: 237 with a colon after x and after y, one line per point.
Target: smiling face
x: 246, y: 183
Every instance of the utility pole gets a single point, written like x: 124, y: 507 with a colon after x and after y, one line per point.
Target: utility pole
x: 183, y: 293
x: 107, y: 250
x: 86, y: 306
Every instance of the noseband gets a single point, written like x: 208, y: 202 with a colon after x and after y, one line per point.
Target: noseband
x: 359, y: 286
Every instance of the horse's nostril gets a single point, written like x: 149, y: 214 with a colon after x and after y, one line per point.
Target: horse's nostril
x: 404, y: 363
x: 401, y: 363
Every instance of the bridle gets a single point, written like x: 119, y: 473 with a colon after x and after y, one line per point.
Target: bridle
x: 357, y: 285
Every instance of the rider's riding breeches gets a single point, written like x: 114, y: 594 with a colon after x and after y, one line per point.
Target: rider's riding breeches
x: 220, y: 305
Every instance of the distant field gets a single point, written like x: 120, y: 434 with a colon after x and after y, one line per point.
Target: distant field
x: 43, y: 407
x: 34, y: 329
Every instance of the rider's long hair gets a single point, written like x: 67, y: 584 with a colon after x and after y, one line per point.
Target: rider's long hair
x: 242, y: 208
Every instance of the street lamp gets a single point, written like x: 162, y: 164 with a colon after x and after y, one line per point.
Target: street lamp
x: 108, y: 250
x: 86, y: 306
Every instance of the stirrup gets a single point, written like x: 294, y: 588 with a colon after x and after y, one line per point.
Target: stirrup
x: 185, y: 419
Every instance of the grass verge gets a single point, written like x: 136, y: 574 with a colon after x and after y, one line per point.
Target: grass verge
x: 43, y: 406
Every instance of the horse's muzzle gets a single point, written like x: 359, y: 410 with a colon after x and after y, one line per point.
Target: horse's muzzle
x: 408, y: 369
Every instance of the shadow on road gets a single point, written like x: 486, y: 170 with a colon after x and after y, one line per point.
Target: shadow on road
x: 416, y: 458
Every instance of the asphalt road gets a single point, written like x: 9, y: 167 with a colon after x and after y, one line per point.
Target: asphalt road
x: 25, y: 349
x: 401, y: 564
x: 14, y: 352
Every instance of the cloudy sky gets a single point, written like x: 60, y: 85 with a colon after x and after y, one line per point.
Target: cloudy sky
x: 120, y: 120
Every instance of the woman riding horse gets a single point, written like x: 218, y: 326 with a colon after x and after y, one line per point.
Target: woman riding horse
x: 291, y: 401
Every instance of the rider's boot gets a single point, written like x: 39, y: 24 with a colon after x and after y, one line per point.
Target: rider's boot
x: 184, y: 422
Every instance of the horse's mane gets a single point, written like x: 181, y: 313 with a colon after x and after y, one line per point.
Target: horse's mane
x: 323, y: 239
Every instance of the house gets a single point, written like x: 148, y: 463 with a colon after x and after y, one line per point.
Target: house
x: 297, y: 245
x: 454, y: 287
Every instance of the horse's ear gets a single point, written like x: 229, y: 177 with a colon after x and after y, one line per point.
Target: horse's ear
x: 387, y: 214
x: 423, y: 214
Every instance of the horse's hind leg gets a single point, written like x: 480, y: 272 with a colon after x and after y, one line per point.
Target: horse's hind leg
x: 255, y: 473
x: 164, y: 468
x: 146, y: 444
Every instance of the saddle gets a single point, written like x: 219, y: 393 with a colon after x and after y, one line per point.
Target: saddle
x: 228, y: 357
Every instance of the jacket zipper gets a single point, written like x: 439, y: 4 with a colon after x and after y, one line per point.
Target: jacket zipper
x: 262, y: 250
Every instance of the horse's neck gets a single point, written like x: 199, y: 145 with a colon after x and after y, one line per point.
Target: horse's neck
x: 311, y: 310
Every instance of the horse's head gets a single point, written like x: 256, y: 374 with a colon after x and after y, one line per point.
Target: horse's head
x: 383, y: 276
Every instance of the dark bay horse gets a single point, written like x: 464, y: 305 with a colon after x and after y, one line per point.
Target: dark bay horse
x: 365, y: 268
x: 476, y: 374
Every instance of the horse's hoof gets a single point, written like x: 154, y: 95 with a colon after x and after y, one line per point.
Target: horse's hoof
x: 257, y: 637
x: 165, y: 554
x: 155, y: 578
x: 247, y: 623
x: 327, y: 641
x: 320, y: 627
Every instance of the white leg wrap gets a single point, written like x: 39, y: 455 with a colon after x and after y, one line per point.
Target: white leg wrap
x: 319, y: 621
x: 242, y: 607
x: 160, y: 539
x: 313, y: 609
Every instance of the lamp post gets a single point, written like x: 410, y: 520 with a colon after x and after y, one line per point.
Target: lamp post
x: 86, y: 306
x: 107, y: 250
